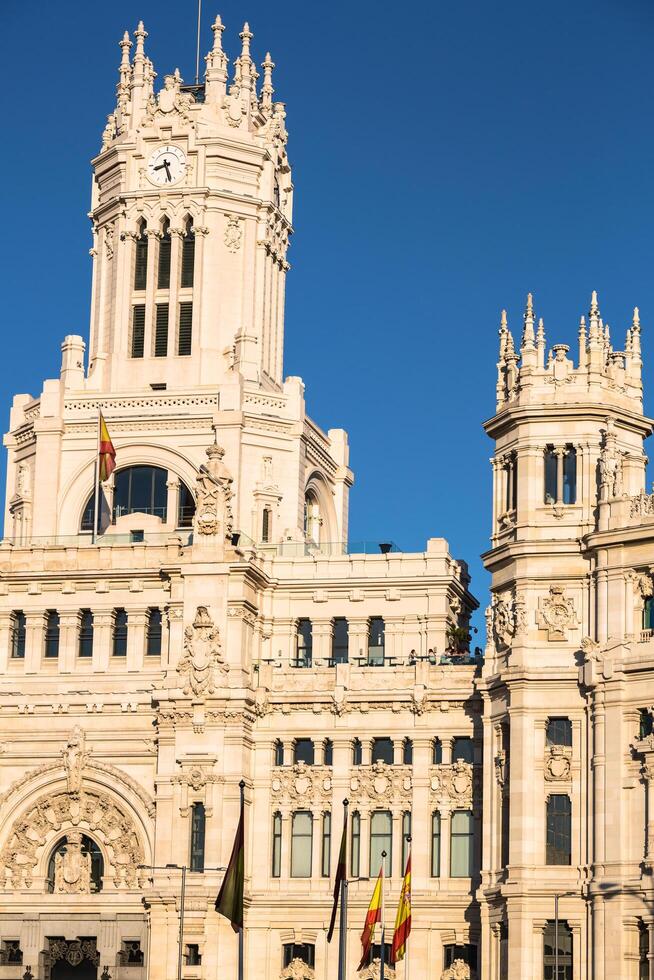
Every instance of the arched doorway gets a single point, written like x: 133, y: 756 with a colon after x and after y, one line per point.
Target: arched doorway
x: 74, y: 959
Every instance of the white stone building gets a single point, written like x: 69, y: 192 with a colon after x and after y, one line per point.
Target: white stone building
x: 219, y: 627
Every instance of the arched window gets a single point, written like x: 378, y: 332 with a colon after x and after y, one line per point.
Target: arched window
x: 85, y: 637
x: 163, y: 266
x: 301, y: 844
x: 303, y: 751
x: 198, y: 827
x: 277, y: 845
x: 382, y: 750
x: 143, y: 490
x: 381, y: 839
x: 153, y: 633
x: 18, y: 634
x: 76, y: 842
x: 188, y: 255
x: 312, y: 518
x: 357, y: 752
x: 461, y: 844
x: 558, y: 849
x: 437, y: 752
x: 141, y: 259
x: 266, y: 524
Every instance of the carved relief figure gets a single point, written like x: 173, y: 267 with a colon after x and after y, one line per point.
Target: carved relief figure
x: 75, y: 758
x: 73, y: 867
x: 202, y: 655
x: 213, y: 491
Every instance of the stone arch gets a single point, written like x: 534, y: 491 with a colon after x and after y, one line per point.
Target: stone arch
x: 76, y: 493
x: 317, y: 488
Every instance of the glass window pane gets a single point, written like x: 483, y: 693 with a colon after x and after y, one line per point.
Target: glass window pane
x: 326, y: 843
x: 85, y: 648
x: 302, y: 829
x: 382, y: 750
x: 153, y: 638
x: 570, y: 476
x: 376, y: 640
x: 303, y: 751
x: 461, y: 844
x: 304, y: 644
x: 381, y: 825
x: 462, y: 750
x: 198, y: 822
x: 355, y: 848
x: 277, y: 846
x: 559, y: 731
x: 550, y: 495
x: 340, y: 641
x: 559, y: 830
x: 435, y: 845
x: 437, y: 757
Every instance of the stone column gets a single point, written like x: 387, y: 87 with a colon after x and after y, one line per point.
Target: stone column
x: 136, y: 625
x: 34, y: 640
x: 357, y: 639
x: 602, y: 605
x: 322, y: 633
x: 69, y: 624
x: 172, y: 500
x: 629, y: 604
x: 5, y: 640
x: 176, y: 238
x: 648, y: 776
x: 446, y: 744
x: 102, y: 626
x: 650, y: 953
x: 560, y: 454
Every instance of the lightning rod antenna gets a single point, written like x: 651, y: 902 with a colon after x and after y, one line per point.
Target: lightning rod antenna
x: 197, y: 50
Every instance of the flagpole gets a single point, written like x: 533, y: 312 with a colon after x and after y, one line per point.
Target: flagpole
x: 383, y: 909
x: 241, y: 786
x: 406, y: 954
x: 96, y: 481
x: 342, y: 926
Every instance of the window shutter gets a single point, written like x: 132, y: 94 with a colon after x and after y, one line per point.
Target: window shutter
x: 163, y: 271
x: 188, y: 259
x: 138, y: 330
x: 185, y: 329
x: 161, y: 330
x: 141, y: 263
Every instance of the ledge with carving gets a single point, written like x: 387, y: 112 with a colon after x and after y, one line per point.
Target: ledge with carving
x: 381, y: 784
x: 452, y: 787
x: 302, y: 785
x: 373, y: 972
x: 297, y: 969
x: 458, y: 971
x: 558, y: 763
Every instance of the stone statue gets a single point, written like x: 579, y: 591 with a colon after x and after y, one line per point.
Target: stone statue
x: 213, y: 493
x: 72, y: 868
x: 75, y: 758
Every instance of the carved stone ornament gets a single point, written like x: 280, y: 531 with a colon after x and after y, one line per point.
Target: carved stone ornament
x: 91, y: 812
x: 419, y: 701
x: 339, y: 705
x: 73, y: 951
x: 297, y: 969
x: 261, y: 702
x: 381, y: 783
x: 72, y: 874
x: 451, y: 785
x: 503, y: 620
x: 644, y: 585
x: 500, y: 768
x: 458, y: 971
x: 558, y: 763
x: 233, y: 234
x: 109, y: 233
x: 75, y: 758
x: 202, y: 656
x: 213, y: 494
x: 373, y: 972
x: 302, y: 784
x: 170, y: 99
x: 557, y: 613
x: 233, y: 107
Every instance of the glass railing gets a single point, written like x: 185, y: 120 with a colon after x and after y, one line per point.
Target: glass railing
x: 330, y: 549
x: 85, y: 539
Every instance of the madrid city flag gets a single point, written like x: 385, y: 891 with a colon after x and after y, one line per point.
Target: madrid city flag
x: 403, y: 918
x: 107, y: 453
x: 373, y: 916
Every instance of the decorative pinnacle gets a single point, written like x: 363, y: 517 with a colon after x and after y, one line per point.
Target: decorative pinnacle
x: 246, y: 36
x: 541, y: 330
x: 217, y: 27
x: 528, y: 332
x: 636, y: 319
x: 530, y: 303
x: 125, y: 45
x: 594, y: 307
x: 582, y: 324
x: 267, y: 88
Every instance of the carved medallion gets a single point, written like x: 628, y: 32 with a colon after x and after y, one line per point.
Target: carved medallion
x: 557, y: 613
x: 202, y: 657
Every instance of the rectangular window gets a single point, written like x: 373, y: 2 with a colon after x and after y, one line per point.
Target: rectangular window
x: 18, y: 633
x: 559, y: 731
x: 461, y: 844
x: 460, y: 951
x: 198, y: 825
x: 138, y: 330
x: 277, y: 846
x: 52, y: 633
x: 301, y: 844
x: 119, y: 633
x: 340, y: 641
x: 559, y: 829
x: 192, y: 955
x: 355, y: 845
x: 549, y: 491
x: 303, y: 751
x: 437, y: 752
x: 383, y: 751
x: 357, y: 752
x: 185, y: 329
x: 305, y: 952
x: 326, y: 844
x: 85, y: 644
x: 328, y: 752
x: 406, y: 838
x: 643, y: 951
x: 435, y: 845
x: 304, y: 645
x: 10, y: 953
x: 279, y: 753
x: 381, y: 839
x: 188, y: 259
x: 265, y: 525
x: 564, y: 951
x: 570, y: 476
x: 163, y: 269
x: 375, y: 952
x: 153, y: 634
x: 462, y: 750
x: 141, y: 263
x: 407, y: 752
x: 161, y: 330
x: 376, y: 642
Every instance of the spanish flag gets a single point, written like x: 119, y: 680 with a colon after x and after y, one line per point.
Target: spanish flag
x: 230, y: 897
x: 403, y: 918
x: 107, y: 457
x: 341, y: 872
x: 373, y: 916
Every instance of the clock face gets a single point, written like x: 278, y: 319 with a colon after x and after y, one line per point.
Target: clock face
x: 166, y: 165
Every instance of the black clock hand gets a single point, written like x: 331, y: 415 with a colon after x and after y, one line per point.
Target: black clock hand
x: 161, y: 166
x: 165, y: 163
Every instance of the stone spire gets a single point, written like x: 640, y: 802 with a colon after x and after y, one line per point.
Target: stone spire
x: 139, y: 73
x: 635, y: 362
x: 540, y: 343
x: 267, y: 89
x: 582, y: 343
x: 123, y: 87
x: 595, y: 338
x: 245, y: 67
x: 528, y: 342
x: 501, y: 364
x: 216, y: 72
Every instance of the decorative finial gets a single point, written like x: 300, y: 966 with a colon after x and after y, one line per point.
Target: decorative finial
x: 246, y: 36
x: 528, y: 337
x: 267, y: 88
x: 636, y: 319
x: 217, y: 27
x: 594, y: 307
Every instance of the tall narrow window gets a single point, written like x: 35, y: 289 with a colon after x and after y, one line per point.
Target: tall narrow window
x: 85, y: 645
x: 648, y: 613
x: 407, y: 752
x: 266, y: 522
x: 355, y: 844
x: 188, y: 256
x: 435, y: 845
x: 462, y: 750
x: 643, y: 951
x: 646, y: 722
x: 18, y: 633
x: 325, y: 853
x: 461, y: 844
x: 305, y: 952
x: 141, y: 259
x: 198, y: 825
x: 303, y: 751
x: 564, y: 951
x: 381, y: 839
x: 376, y: 642
x: 559, y: 829
x: 551, y: 465
x: 301, y: 840
x: 304, y: 643
x: 437, y: 752
x: 138, y: 330
x: 277, y: 845
x: 340, y: 641
x: 357, y: 752
x: 52, y: 633
x: 185, y: 329
x: 328, y: 752
x: 406, y: 834
x: 119, y: 637
x: 153, y: 633
x: 186, y: 509
x: 163, y: 266
x: 559, y: 731
x: 278, y: 752
x: 570, y: 476
x: 161, y: 330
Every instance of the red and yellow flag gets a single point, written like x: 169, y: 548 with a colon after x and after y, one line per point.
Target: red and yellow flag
x: 341, y: 872
x: 373, y: 916
x: 107, y: 460
x: 403, y: 918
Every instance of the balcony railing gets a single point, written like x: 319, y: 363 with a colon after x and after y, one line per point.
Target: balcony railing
x: 310, y: 549
x: 85, y: 539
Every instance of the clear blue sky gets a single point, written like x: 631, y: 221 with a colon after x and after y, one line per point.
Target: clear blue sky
x: 448, y: 158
